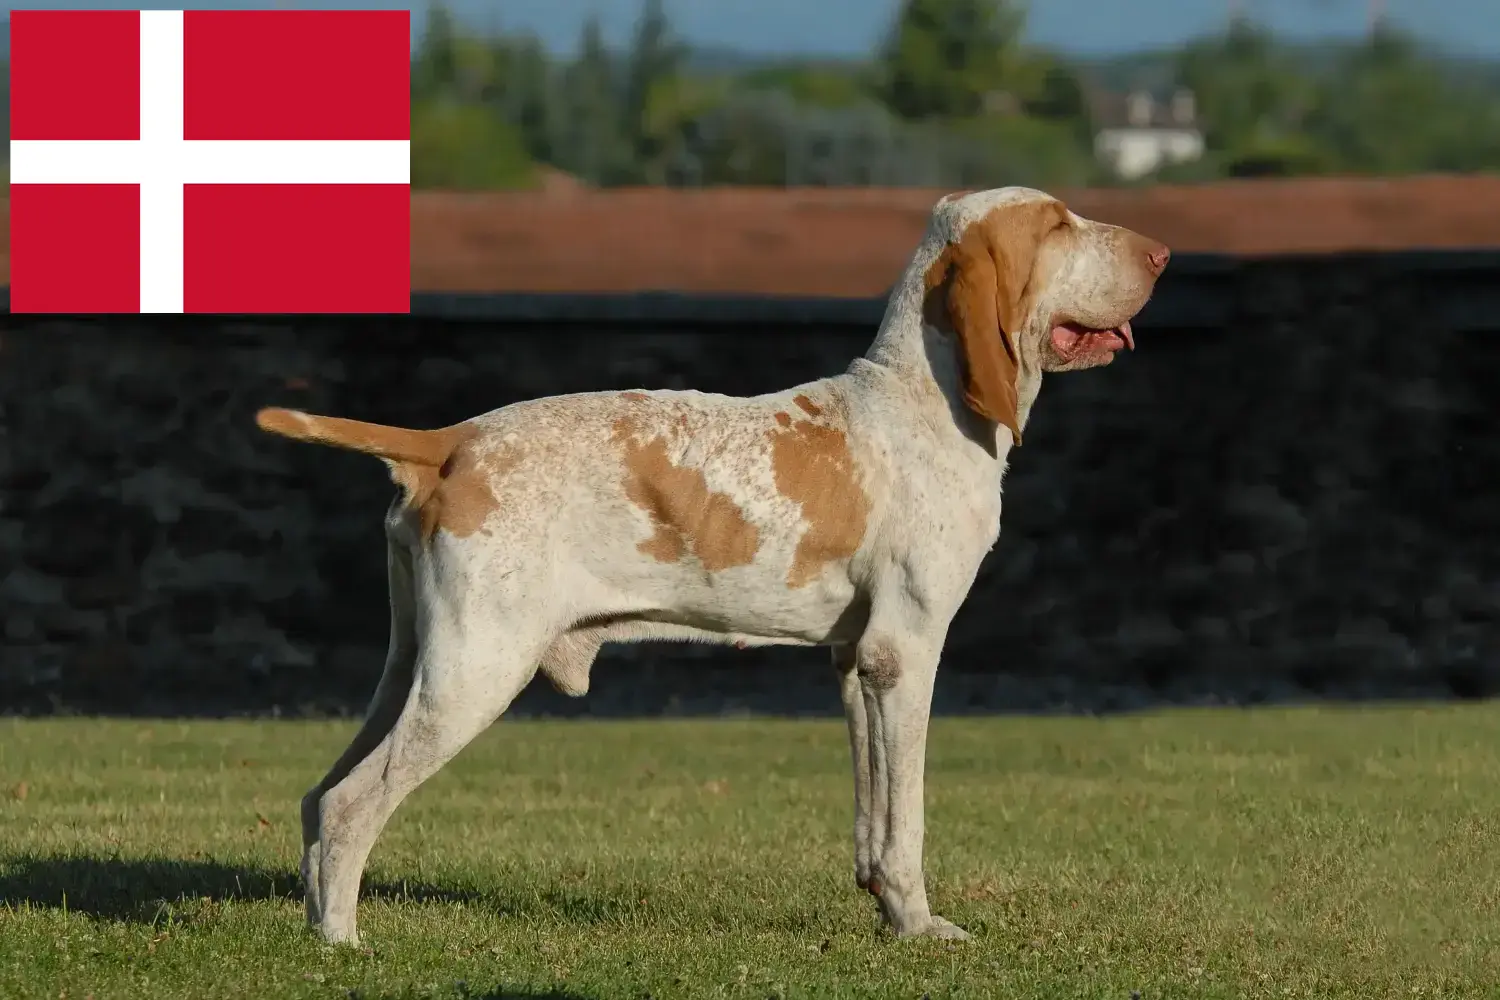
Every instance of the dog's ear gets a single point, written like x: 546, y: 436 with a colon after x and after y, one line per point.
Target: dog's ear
x: 988, y: 272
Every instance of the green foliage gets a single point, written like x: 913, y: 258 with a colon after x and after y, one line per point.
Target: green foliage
x: 766, y: 137
x: 943, y: 56
x: 651, y: 69
x: 952, y: 98
x: 1058, y: 94
x: 992, y: 151
x: 813, y: 85
x: 1278, y: 155
x: 434, y: 66
x: 1249, y: 93
x: 589, y: 140
x: 1392, y: 111
x: 479, y: 108
x: 517, y: 81
x: 466, y: 147
x: 1379, y: 107
x: 448, y: 63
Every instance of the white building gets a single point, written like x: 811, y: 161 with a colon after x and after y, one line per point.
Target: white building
x: 1139, y: 135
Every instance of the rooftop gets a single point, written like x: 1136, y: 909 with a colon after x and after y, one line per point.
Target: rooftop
x: 854, y: 241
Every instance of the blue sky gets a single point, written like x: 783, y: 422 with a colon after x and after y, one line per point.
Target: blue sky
x: 1092, y: 26
x: 843, y: 27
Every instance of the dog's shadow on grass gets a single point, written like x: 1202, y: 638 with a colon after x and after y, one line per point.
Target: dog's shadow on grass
x: 133, y: 889
x: 151, y: 890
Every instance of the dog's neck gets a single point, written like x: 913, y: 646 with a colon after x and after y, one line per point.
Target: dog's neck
x: 925, y: 355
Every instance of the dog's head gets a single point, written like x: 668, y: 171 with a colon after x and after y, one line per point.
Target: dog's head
x: 1026, y: 285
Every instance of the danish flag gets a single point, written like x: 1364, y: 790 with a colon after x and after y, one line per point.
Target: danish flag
x: 210, y: 161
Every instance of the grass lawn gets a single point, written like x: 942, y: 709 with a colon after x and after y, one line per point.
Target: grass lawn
x: 1269, y: 853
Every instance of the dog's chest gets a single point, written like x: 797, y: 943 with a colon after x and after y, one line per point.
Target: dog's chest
x: 942, y: 501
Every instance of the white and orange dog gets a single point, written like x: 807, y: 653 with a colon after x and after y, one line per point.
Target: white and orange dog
x: 851, y: 512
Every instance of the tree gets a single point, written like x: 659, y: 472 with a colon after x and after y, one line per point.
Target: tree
x: 655, y: 57
x: 1390, y: 109
x: 813, y: 84
x: 482, y: 107
x: 1253, y: 101
x: 434, y: 67
x: 943, y: 56
x: 465, y: 147
x: 674, y: 108
x: 590, y: 143
x: 765, y: 137
x: 519, y: 84
x: 1058, y: 95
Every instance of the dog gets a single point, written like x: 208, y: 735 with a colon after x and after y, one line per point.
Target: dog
x: 850, y: 512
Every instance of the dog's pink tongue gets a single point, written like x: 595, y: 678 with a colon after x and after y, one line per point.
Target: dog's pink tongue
x: 1071, y: 340
x: 1065, y: 338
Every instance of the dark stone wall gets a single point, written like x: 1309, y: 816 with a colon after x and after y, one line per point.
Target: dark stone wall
x: 1299, y: 503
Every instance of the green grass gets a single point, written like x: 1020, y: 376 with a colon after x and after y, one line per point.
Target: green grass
x: 1278, y: 853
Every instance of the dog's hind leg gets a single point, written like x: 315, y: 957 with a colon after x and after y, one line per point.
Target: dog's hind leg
x: 465, y: 677
x: 385, y: 707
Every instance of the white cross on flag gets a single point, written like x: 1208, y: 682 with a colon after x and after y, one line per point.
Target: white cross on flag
x: 210, y: 161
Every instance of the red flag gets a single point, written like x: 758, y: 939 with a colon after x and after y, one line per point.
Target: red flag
x: 210, y: 161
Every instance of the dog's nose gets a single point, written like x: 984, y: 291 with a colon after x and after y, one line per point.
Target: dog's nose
x: 1158, y: 257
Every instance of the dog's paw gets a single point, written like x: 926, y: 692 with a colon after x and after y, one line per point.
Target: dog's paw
x: 945, y: 930
x: 339, y: 936
x: 940, y: 928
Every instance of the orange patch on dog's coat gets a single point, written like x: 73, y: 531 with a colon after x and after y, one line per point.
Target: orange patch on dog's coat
x: 812, y: 465
x: 462, y: 496
x: 687, y: 515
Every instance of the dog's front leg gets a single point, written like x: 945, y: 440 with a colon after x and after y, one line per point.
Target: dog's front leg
x: 852, y: 693
x: 897, y: 675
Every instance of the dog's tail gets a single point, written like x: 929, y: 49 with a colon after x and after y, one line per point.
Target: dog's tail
x: 418, y: 460
x: 397, y: 445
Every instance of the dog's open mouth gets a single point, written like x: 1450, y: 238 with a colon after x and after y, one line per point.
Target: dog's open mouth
x: 1073, y: 340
